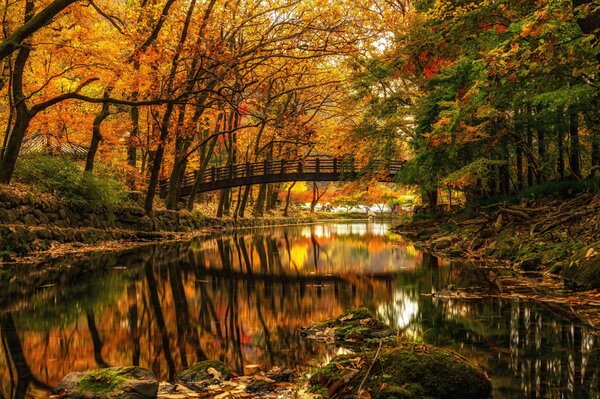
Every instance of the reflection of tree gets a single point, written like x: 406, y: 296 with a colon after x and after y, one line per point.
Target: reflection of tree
x: 96, y: 340
x: 160, y: 320
x: 13, y: 349
x: 182, y: 315
x: 134, y: 331
x: 240, y: 299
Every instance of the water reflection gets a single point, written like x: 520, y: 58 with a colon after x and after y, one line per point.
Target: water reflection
x: 240, y: 298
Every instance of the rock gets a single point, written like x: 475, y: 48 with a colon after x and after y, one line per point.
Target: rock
x: 8, y: 216
x: 62, y: 213
x: 204, y: 373
x: 109, y: 383
x: 30, y: 220
x: 486, y: 233
x: 441, y: 243
x: 278, y: 375
x: 410, y: 370
x: 583, y: 274
x: 259, y: 387
x: 356, y: 326
x: 530, y: 263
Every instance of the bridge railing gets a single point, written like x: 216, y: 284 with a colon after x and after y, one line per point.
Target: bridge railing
x: 343, y: 167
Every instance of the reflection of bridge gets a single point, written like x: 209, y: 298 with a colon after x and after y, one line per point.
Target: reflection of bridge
x: 280, y: 171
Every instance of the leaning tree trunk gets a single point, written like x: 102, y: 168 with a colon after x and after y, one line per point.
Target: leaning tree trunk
x: 164, y: 128
x: 157, y: 162
x: 96, y: 134
x: 22, y: 115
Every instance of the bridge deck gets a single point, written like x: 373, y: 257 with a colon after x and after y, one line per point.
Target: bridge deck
x: 279, y: 171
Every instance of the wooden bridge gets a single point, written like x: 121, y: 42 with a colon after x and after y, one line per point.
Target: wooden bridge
x: 280, y: 171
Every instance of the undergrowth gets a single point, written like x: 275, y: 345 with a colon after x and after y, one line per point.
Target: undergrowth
x: 65, y: 178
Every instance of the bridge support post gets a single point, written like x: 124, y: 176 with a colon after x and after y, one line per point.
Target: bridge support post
x: 282, y: 171
x: 299, y: 166
x: 317, y: 166
x: 266, y: 167
x: 248, y: 169
x: 334, y: 165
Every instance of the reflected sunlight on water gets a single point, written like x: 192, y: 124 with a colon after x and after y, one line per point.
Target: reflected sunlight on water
x: 241, y: 298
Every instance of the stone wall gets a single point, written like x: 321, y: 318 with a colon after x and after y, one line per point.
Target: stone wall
x: 31, y: 222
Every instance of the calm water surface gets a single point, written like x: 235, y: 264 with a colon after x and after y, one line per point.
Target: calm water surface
x: 241, y: 297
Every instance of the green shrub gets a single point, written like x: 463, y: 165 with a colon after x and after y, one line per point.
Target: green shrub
x: 563, y: 189
x: 65, y: 178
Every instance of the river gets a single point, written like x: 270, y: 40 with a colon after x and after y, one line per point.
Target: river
x: 240, y: 297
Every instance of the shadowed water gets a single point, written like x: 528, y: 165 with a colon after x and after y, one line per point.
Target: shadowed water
x: 241, y: 298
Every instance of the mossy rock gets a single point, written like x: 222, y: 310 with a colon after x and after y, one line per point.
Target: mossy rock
x: 409, y: 370
x: 109, y: 383
x: 355, y: 326
x: 583, y: 274
x: 204, y: 373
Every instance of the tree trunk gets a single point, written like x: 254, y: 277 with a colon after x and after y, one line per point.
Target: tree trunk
x: 541, y: 175
x: 157, y: 161
x: 519, y: 156
x: 593, y: 122
x: 96, y: 134
x: 164, y: 128
x: 134, y: 135
x: 590, y: 23
x: 259, y: 204
x: 287, y: 199
x: 574, y: 162
x: 204, y: 160
x: 561, y: 149
x: 23, y: 116
x: 244, y: 201
x: 530, y: 159
x: 32, y: 24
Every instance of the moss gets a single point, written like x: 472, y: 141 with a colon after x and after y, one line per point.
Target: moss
x: 101, y: 381
x: 583, y: 274
x: 356, y: 326
x: 407, y: 371
x: 355, y: 314
x: 351, y: 331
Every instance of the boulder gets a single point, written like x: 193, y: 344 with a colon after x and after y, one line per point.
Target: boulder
x: 410, y: 370
x: 583, y: 274
x: 109, y: 383
x: 442, y: 243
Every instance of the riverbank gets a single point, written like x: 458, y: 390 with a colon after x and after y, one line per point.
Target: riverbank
x: 376, y: 363
x: 542, y: 249
x: 34, y: 225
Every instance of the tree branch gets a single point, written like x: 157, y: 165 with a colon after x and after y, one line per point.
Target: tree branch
x: 41, y: 19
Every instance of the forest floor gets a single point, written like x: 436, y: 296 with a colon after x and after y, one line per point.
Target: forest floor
x: 543, y: 250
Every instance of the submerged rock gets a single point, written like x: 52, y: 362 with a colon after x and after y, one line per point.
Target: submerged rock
x: 356, y: 326
x: 409, y: 370
x: 203, y: 374
x: 109, y: 383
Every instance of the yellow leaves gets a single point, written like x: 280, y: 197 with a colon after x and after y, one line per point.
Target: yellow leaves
x: 443, y: 121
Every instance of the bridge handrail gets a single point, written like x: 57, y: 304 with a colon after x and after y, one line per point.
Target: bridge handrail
x: 285, y: 167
